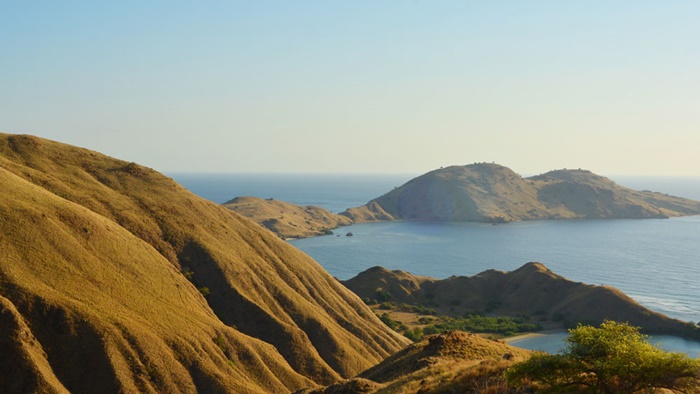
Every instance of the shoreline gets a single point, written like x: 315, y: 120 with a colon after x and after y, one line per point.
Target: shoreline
x: 528, y: 335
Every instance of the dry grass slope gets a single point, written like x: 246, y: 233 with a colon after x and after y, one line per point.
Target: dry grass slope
x: 285, y: 219
x: 494, y: 193
x: 531, y: 290
x: 100, y: 265
x: 453, y: 362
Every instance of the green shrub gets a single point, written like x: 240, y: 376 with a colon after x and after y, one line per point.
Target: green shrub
x: 383, y: 296
x: 415, y: 335
x: 393, y: 324
x: 614, y: 358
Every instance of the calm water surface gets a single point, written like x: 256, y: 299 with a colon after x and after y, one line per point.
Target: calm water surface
x: 655, y: 261
x: 554, y: 343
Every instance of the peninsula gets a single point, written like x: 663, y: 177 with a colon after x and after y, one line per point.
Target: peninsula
x: 481, y: 192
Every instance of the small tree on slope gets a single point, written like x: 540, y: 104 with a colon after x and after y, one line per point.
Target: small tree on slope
x: 614, y: 358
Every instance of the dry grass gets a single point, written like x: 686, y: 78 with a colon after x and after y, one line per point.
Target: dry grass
x: 101, y: 261
x: 285, y: 219
x: 493, y: 193
x: 453, y: 362
x: 532, y: 290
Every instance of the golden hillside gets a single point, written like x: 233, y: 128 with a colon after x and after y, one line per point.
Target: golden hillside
x: 100, y: 268
x: 452, y: 362
x: 288, y: 220
x: 494, y: 193
x: 532, y: 290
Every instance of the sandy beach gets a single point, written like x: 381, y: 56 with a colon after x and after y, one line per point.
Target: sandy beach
x: 532, y: 335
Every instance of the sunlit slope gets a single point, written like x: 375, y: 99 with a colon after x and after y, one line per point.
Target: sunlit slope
x: 285, y: 219
x: 531, y: 290
x: 452, y: 362
x: 111, y: 313
x: 118, y: 251
x: 493, y: 193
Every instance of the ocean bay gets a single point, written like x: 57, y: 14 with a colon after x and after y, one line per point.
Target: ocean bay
x: 652, y: 260
x: 555, y: 343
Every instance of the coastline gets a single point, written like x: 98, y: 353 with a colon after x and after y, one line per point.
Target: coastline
x: 528, y: 335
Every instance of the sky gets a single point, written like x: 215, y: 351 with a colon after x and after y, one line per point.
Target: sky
x: 359, y: 86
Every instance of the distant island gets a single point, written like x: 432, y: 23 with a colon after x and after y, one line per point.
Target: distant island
x: 481, y: 192
x: 485, y: 192
x: 286, y: 219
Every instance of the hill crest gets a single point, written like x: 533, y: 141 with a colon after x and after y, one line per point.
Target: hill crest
x: 532, y: 290
x: 486, y: 192
x: 115, y: 278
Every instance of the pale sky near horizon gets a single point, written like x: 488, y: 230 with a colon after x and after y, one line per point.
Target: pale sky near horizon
x: 362, y: 86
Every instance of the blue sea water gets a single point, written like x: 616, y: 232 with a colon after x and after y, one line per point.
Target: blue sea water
x: 333, y: 192
x: 555, y: 343
x: 655, y: 261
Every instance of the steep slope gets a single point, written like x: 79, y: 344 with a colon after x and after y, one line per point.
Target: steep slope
x: 285, y: 219
x: 492, y: 193
x: 101, y: 261
x: 97, y: 309
x: 530, y: 290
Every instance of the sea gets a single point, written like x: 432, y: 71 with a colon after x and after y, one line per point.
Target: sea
x: 654, y: 261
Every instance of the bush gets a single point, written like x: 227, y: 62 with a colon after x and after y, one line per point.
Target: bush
x: 415, y: 335
x: 393, y: 324
x: 614, y: 358
x: 383, y: 296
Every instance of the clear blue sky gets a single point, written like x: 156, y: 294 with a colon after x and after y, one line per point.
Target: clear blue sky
x: 361, y: 86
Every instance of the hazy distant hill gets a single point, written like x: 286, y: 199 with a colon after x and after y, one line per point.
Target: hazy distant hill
x: 113, y: 278
x: 494, y: 193
x: 531, y: 290
x: 285, y: 219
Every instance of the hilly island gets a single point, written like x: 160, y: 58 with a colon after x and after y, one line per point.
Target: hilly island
x: 482, y: 192
x: 487, y: 192
x: 114, y: 278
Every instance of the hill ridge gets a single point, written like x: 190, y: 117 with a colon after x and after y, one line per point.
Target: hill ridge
x: 129, y: 282
x: 532, y: 290
x: 489, y: 192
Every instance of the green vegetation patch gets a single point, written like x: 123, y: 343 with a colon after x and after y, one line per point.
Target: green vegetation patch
x: 473, y: 323
x: 612, y: 358
x: 478, y: 323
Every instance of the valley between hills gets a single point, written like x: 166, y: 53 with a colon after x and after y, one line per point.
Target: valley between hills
x: 114, y: 278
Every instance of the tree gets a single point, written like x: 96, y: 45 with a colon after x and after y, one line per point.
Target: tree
x: 614, y: 358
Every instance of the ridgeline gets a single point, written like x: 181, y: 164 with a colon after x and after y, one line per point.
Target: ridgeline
x: 494, y: 193
x: 114, y: 278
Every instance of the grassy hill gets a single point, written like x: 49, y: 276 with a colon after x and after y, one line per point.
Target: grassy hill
x: 453, y: 362
x: 287, y: 220
x: 494, y: 193
x: 531, y: 290
x: 115, y: 278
